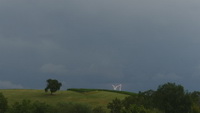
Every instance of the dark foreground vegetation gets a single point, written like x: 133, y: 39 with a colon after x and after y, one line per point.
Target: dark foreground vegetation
x: 168, y: 98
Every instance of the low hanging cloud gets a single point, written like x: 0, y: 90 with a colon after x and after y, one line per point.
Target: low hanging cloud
x: 54, y: 69
x: 9, y: 85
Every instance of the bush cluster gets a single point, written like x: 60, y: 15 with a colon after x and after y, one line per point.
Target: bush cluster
x: 168, y: 98
x: 26, y: 106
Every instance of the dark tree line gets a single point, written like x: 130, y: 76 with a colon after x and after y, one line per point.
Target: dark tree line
x: 168, y: 98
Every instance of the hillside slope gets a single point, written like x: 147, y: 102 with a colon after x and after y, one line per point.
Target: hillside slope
x: 93, y: 98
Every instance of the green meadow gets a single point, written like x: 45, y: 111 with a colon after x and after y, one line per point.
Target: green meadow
x: 91, y: 98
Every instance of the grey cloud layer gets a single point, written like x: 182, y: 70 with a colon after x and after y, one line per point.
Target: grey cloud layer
x: 138, y: 43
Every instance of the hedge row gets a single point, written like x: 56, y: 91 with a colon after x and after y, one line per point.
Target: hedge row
x: 83, y: 90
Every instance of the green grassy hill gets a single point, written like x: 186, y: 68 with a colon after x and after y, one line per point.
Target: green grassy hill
x: 91, y: 98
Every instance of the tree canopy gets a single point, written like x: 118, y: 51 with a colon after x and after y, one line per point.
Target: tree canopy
x: 53, y: 85
x: 168, y: 98
x: 172, y: 98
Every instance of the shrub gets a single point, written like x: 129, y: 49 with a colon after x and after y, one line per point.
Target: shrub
x: 25, y: 106
x: 73, y: 108
x: 21, y: 107
x: 115, y: 106
x: 195, y: 109
x: 135, y: 109
x: 39, y: 107
x: 3, y: 103
x: 99, y: 109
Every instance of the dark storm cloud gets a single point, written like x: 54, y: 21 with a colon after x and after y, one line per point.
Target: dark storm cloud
x: 140, y: 44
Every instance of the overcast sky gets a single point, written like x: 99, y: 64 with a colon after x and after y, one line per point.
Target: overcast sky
x: 96, y: 43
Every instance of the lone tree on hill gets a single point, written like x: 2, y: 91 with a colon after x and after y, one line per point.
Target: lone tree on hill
x: 53, y: 86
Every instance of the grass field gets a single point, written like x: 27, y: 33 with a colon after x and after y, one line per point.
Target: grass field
x: 93, y: 98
